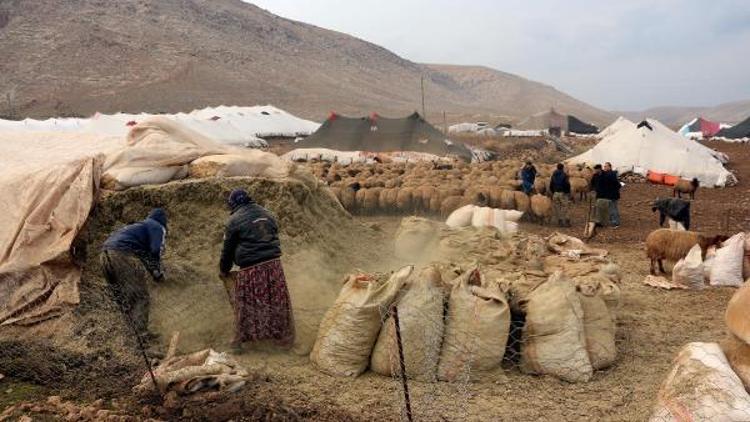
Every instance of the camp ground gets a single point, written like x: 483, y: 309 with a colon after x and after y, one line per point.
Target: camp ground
x: 189, y: 233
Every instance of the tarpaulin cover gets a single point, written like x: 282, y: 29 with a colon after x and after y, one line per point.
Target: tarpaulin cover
x: 575, y: 125
x: 740, y: 130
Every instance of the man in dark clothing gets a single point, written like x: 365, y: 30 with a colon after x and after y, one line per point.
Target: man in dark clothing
x: 675, y: 209
x: 528, y: 176
x: 128, y: 256
x: 614, y: 210
x: 560, y: 187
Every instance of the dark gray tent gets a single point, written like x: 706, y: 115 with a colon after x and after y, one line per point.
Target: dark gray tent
x: 576, y: 125
x: 379, y: 134
x: 740, y: 130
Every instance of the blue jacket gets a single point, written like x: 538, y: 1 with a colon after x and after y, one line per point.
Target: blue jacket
x: 145, y: 239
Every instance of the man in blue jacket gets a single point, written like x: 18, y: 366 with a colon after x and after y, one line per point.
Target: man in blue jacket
x: 128, y: 257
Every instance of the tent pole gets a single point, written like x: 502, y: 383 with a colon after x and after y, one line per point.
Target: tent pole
x: 424, y: 115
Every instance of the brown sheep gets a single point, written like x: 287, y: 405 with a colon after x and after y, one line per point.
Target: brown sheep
x: 451, y: 204
x: 477, y: 196
x: 523, y: 203
x: 508, y: 200
x: 392, y: 199
x: 579, y: 186
x: 404, y: 200
x: 383, y: 203
x: 426, y: 194
x: 348, y: 198
x: 541, y: 208
x: 674, y: 245
x: 359, y: 199
x: 685, y: 186
x: 496, y: 195
x: 371, y: 202
x: 541, y: 185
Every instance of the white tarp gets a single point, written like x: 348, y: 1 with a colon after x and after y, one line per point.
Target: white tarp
x: 242, y: 126
x: 659, y: 149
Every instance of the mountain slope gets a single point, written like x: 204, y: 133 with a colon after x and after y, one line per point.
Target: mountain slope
x: 82, y: 56
x: 675, y: 116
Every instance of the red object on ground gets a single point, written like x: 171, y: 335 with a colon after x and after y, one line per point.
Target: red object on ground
x: 655, y: 177
x: 670, y: 180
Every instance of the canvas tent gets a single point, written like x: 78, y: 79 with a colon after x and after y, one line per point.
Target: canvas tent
x: 620, y: 124
x: 576, y: 125
x: 699, y: 125
x: 654, y: 147
x: 379, y: 134
x: 545, y: 121
x: 740, y: 130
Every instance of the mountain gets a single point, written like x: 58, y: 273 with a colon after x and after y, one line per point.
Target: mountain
x: 675, y: 116
x: 76, y: 57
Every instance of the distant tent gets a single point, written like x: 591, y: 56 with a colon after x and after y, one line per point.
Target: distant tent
x: 575, y: 125
x: 700, y: 125
x: 379, y: 134
x: 740, y: 130
x: 545, y: 121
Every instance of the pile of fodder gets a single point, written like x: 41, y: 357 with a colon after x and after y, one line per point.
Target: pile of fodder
x: 320, y: 243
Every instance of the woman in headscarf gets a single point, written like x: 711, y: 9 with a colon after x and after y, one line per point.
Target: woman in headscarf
x: 261, y: 299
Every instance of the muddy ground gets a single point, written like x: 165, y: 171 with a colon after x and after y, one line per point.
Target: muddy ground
x: 652, y: 325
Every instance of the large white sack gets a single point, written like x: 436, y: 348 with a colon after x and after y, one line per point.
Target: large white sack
x: 420, y: 315
x: 554, y: 340
x: 491, y: 217
x: 708, y: 263
x: 476, y: 328
x: 461, y: 217
x: 512, y: 215
x: 726, y: 269
x: 350, y: 328
x: 702, y: 387
x: 689, y: 270
x: 128, y: 177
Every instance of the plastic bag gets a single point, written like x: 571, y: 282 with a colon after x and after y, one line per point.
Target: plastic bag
x: 689, y: 270
x: 727, y: 266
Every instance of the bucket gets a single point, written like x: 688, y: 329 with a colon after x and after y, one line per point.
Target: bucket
x: 655, y: 177
x: 671, y: 180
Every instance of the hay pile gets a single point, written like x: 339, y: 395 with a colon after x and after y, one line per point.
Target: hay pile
x: 320, y: 242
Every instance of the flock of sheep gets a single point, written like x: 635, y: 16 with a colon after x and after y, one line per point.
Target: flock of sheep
x: 430, y: 188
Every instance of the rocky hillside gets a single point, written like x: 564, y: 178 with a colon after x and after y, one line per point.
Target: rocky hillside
x: 75, y: 57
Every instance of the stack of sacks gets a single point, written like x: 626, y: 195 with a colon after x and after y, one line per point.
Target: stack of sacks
x: 350, y: 328
x: 506, y: 221
x: 711, y: 381
x: 567, y: 333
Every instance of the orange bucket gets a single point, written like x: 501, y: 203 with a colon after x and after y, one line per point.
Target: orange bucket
x: 671, y: 180
x: 655, y: 177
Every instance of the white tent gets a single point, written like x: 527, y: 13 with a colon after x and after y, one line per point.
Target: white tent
x: 616, y: 126
x: 655, y: 147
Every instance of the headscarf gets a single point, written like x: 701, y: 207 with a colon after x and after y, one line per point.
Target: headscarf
x: 238, y: 198
x: 159, y: 215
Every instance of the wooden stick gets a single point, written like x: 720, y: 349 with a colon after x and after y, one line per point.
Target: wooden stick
x: 172, y: 350
x: 407, y: 400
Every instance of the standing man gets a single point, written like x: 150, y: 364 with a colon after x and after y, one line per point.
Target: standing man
x: 263, y: 310
x: 128, y: 257
x: 560, y: 187
x: 528, y: 176
x: 614, y: 210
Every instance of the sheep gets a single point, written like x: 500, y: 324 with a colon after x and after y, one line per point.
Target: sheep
x: 541, y: 185
x: 383, y: 203
x: 508, y: 200
x: 477, y: 196
x: 425, y: 194
x: 451, y: 204
x: 685, y: 186
x: 579, y: 186
x: 348, y: 198
x: 674, y: 245
x: 404, y: 200
x: 371, y: 201
x: 359, y: 198
x: 541, y: 207
x: 523, y: 203
x: 496, y: 195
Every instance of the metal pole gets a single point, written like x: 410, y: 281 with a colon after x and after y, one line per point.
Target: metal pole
x: 424, y: 115
x: 402, y: 364
x: 445, y: 123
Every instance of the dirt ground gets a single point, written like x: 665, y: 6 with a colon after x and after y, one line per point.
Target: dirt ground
x: 652, y: 324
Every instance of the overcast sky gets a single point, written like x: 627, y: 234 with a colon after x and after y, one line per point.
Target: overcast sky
x: 623, y: 55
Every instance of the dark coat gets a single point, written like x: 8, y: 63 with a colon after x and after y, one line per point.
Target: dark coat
x: 559, y: 182
x: 607, y: 185
x: 251, y: 237
x: 528, y: 174
x: 145, y: 239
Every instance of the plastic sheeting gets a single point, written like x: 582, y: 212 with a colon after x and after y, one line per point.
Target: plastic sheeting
x: 657, y: 148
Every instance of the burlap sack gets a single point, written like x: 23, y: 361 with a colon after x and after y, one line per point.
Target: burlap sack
x: 702, y: 387
x: 476, y: 328
x: 420, y: 312
x: 599, y: 328
x: 350, y: 328
x: 554, y: 340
